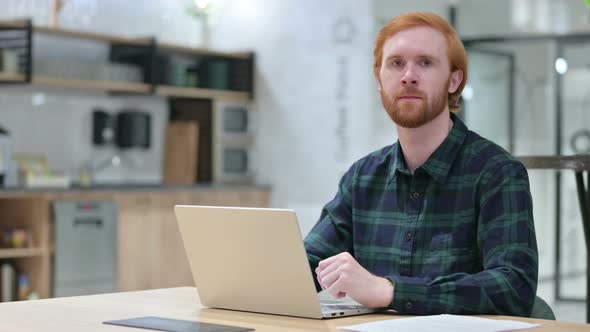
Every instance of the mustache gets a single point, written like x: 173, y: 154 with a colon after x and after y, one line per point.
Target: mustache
x: 408, y: 91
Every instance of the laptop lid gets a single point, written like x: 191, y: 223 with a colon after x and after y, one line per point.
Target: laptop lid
x: 248, y: 259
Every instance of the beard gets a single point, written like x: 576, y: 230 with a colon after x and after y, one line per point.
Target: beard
x: 414, y: 114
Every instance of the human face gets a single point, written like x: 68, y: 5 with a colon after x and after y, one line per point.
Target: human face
x: 415, y: 77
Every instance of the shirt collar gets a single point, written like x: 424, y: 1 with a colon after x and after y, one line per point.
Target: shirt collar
x: 439, y: 163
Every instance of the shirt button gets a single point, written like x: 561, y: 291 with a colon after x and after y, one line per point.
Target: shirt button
x: 409, y: 305
x: 415, y: 195
x: 409, y: 236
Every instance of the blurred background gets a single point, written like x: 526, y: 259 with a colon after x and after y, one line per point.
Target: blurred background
x: 114, y: 111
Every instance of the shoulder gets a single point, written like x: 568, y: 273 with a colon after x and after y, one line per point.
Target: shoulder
x: 375, y: 164
x: 482, y: 156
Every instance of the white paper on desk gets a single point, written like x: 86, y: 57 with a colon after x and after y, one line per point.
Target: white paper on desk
x: 441, y: 323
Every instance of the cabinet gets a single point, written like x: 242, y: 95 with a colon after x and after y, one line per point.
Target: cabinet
x: 150, y: 250
x: 32, y: 214
x: 156, y: 68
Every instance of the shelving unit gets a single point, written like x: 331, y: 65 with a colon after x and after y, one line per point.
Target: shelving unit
x: 32, y: 215
x: 147, y: 53
x: 208, y: 76
x: 21, y: 252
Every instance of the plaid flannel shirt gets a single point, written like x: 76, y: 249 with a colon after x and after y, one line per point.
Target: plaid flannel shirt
x: 455, y: 237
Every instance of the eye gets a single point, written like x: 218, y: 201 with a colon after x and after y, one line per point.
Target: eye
x: 396, y: 63
x: 425, y: 63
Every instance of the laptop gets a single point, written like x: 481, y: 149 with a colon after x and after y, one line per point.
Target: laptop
x: 253, y: 259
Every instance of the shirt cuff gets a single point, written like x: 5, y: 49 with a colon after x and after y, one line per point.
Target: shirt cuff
x: 410, y: 295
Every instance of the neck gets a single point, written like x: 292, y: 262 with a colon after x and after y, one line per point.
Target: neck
x: 419, y: 143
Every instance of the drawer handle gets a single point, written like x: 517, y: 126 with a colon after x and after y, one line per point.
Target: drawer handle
x: 88, y: 222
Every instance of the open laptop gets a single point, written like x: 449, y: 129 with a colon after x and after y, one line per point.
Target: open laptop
x: 253, y: 259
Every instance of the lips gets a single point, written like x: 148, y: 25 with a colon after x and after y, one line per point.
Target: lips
x: 409, y: 98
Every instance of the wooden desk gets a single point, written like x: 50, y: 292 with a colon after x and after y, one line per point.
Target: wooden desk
x: 86, y: 313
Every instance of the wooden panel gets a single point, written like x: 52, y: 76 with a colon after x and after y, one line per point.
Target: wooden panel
x: 31, y: 214
x: 203, y: 51
x: 16, y: 24
x: 180, y: 152
x: 10, y: 77
x: 138, y: 243
x: 151, y: 253
x: 91, y: 36
x: 200, y: 111
x: 174, y: 267
x: 72, y: 83
x: 175, y: 91
x: 20, y: 252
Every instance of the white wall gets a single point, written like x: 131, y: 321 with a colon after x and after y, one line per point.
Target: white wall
x: 313, y: 92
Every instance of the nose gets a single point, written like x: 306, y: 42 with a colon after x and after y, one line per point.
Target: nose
x: 409, y: 77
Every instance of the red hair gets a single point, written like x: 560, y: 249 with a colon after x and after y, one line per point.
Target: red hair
x: 455, y: 48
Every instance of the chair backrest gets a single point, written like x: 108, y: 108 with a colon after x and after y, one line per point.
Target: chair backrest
x: 542, y: 310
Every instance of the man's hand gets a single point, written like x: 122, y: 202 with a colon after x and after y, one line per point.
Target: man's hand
x: 342, y: 275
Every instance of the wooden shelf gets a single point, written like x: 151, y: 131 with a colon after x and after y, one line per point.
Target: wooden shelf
x: 92, y: 36
x: 92, y: 85
x: 13, y: 24
x: 128, y: 87
x: 20, y: 252
x: 174, y: 91
x: 12, y: 77
x: 203, y: 51
x: 77, y: 34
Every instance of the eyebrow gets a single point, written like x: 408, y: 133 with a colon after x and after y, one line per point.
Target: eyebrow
x: 420, y: 56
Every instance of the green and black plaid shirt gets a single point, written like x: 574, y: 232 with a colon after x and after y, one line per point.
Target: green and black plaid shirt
x: 456, y: 237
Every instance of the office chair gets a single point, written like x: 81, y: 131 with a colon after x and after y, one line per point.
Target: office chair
x: 542, y: 310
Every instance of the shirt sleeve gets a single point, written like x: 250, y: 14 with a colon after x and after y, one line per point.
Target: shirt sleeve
x: 506, y: 240
x: 332, y: 234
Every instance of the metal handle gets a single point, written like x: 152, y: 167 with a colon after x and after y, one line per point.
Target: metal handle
x: 88, y: 222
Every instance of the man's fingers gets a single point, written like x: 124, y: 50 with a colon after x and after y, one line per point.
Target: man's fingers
x: 327, y: 269
x: 334, y: 290
x: 327, y: 279
x: 330, y: 260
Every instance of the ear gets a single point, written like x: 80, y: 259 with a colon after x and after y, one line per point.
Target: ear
x: 456, y: 79
x: 376, y: 73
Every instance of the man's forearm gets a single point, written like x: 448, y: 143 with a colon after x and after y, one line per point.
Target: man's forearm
x: 497, y: 291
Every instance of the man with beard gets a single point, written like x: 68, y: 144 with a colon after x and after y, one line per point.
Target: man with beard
x: 441, y: 221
